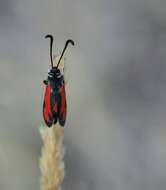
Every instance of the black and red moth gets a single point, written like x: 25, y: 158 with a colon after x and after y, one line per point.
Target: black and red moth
x: 54, y: 105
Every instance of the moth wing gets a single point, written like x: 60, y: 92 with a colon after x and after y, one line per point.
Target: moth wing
x: 54, y: 106
x: 47, y: 112
x: 62, y: 112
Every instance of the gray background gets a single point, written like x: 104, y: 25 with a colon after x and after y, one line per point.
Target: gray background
x: 116, y: 91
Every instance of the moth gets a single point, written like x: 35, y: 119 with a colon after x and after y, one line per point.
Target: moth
x: 54, y: 104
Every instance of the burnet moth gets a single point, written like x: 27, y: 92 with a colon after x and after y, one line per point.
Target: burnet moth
x: 54, y: 105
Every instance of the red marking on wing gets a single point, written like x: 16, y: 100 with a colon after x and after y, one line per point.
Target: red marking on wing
x: 55, y: 108
x: 47, y: 114
x: 63, y: 106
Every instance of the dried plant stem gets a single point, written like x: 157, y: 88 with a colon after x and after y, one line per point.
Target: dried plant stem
x: 51, y: 161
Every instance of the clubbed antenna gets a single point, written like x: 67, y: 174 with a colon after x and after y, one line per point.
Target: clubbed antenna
x: 51, y: 43
x: 67, y: 43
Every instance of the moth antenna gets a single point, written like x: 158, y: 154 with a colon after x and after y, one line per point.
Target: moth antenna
x: 51, y: 43
x: 66, y: 44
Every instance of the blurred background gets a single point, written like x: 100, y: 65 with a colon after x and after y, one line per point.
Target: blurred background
x: 115, y: 136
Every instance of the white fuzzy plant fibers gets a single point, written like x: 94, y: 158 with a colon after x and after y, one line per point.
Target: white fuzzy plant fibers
x: 51, y: 161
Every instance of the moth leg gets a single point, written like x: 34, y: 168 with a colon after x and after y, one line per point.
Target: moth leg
x: 45, y: 82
